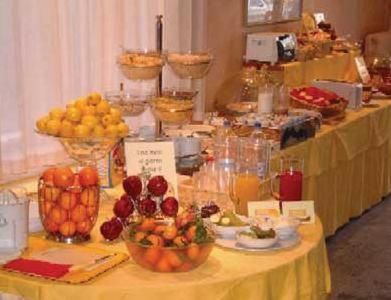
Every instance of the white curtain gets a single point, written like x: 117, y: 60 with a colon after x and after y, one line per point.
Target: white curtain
x: 55, y: 50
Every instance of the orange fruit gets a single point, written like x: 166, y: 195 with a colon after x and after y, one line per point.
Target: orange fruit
x: 56, y: 114
x: 48, y: 175
x: 89, y: 196
x: 50, y: 193
x: 79, y: 213
x: 173, y: 258
x: 156, y: 240
x: 170, y: 232
x: 115, y: 114
x: 148, y: 224
x: 63, y: 177
x: 73, y: 114
x: 53, y: 127
x: 159, y: 229
x: 68, y: 200
x: 67, y: 228
x: 88, y: 176
x: 92, y: 210
x: 103, y: 107
x: 50, y: 226
x: 122, y: 129
x: 108, y: 120
x: 46, y: 207
x: 152, y: 255
x: 90, y: 121
x: 139, y: 236
x: 42, y: 123
x: 81, y: 102
x: 190, y: 233
x: 88, y: 110
x: 81, y: 130
x: 94, y: 98
x: 111, y: 130
x: 58, y: 215
x: 193, y: 251
x: 180, y: 241
x: 186, y: 266
x: 163, y: 265
x: 84, y: 226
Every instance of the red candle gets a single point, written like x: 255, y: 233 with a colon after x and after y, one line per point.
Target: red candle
x: 290, y: 185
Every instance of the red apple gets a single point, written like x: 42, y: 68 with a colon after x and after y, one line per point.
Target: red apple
x: 133, y: 186
x: 157, y: 186
x: 112, y: 229
x: 147, y: 207
x: 169, y: 206
x: 123, y: 208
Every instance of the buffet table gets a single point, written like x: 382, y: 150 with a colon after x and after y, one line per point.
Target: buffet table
x: 348, y: 166
x: 339, y: 66
x: 301, y: 272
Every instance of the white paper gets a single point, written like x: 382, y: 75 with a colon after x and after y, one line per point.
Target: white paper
x: 303, y: 210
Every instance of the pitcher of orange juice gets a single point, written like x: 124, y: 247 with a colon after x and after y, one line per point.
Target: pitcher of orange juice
x: 245, y: 184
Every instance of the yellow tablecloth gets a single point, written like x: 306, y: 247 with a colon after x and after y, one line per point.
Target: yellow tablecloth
x: 301, y: 273
x: 340, y: 66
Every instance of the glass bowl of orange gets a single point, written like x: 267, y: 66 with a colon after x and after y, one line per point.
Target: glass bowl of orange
x: 177, y: 246
x: 68, y: 203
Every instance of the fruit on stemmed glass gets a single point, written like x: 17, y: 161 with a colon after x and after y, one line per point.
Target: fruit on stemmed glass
x: 90, y: 116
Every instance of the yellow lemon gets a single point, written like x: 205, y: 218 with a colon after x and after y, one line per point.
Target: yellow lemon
x: 81, y: 103
x: 53, y: 126
x: 98, y: 130
x: 89, y: 121
x: 116, y: 114
x: 56, y: 114
x: 81, y: 130
x: 103, y: 107
x: 107, y: 120
x: 111, y: 131
x: 94, y: 98
x: 88, y: 110
x: 73, y: 114
x: 41, y: 124
x: 123, y: 129
x: 71, y: 104
x: 66, y: 129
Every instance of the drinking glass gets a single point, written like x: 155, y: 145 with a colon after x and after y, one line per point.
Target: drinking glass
x: 291, y: 179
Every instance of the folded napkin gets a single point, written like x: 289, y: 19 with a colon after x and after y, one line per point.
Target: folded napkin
x: 38, y: 267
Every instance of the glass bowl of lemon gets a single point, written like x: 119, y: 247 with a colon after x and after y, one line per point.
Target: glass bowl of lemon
x: 88, y: 127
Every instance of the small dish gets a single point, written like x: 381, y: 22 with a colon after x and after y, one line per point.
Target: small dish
x: 229, y: 232
x: 286, y: 226
x: 249, y: 242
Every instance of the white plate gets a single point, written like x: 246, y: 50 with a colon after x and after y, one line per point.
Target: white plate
x: 229, y: 232
x: 246, y: 242
x: 280, y: 245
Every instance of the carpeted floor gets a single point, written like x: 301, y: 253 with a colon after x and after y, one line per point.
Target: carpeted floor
x: 360, y: 256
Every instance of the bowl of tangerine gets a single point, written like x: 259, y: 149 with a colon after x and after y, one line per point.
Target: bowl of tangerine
x: 164, y: 246
x: 68, y: 203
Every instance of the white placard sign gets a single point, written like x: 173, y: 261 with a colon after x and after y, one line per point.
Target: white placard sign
x: 319, y: 17
x: 156, y: 157
x: 362, y: 69
x: 303, y: 210
x: 263, y: 208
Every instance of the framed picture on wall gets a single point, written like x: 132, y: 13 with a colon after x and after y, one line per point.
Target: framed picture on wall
x: 257, y: 12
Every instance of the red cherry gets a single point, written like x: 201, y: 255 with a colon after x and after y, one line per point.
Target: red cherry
x: 147, y: 207
x: 133, y: 186
x: 169, y: 206
x: 112, y: 229
x: 157, y: 186
x: 123, y: 208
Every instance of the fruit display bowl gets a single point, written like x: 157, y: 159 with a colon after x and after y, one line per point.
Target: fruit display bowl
x: 69, y: 213
x: 190, y: 65
x: 130, y: 103
x: 172, y: 111
x: 169, y: 259
x: 336, y: 107
x: 140, y: 65
x: 86, y: 150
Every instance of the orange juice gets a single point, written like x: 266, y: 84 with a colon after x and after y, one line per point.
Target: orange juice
x: 246, y: 188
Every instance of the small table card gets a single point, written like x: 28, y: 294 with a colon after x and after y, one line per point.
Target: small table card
x: 362, y: 69
x: 263, y: 208
x: 302, y: 210
x: 156, y: 157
